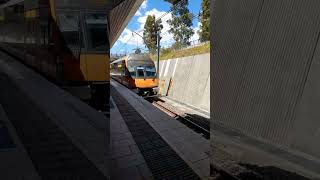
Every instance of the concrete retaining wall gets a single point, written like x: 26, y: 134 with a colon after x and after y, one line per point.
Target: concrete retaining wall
x: 190, y: 80
x: 266, y: 71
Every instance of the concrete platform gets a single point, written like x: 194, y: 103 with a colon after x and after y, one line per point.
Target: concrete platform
x: 125, y: 154
x: 190, y: 146
x: 53, y: 125
x: 17, y: 164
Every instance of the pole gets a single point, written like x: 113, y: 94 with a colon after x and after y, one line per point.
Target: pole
x: 158, y: 63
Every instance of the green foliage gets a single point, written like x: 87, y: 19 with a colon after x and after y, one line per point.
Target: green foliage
x: 173, y: 1
x: 165, y: 50
x: 151, y: 29
x: 204, y: 31
x: 169, y: 53
x: 181, y: 23
x: 137, y: 51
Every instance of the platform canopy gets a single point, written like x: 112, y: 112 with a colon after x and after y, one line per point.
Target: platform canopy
x: 120, y: 17
x: 120, y: 11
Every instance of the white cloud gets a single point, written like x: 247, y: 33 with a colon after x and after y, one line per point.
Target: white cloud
x: 138, y: 13
x: 167, y: 39
x: 143, y: 6
x: 195, y: 30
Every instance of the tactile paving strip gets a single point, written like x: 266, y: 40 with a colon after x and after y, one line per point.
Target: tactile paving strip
x: 53, y: 154
x: 162, y: 160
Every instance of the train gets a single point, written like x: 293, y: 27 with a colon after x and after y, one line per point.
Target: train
x: 67, y: 41
x: 136, y: 71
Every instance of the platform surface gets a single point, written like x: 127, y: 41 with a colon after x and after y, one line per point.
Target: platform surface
x: 62, y: 135
x: 17, y: 164
x: 125, y: 154
x: 191, y: 147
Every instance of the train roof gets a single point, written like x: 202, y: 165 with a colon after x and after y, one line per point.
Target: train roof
x: 134, y: 57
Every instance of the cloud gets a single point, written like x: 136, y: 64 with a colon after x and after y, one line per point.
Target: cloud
x: 167, y: 39
x: 196, y: 34
x: 138, y: 13
x: 143, y: 6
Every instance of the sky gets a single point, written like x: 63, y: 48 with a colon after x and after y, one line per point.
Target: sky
x: 127, y: 42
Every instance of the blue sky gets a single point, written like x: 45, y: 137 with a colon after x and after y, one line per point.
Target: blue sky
x: 149, y: 7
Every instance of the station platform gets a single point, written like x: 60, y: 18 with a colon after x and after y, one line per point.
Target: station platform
x: 146, y: 143
x: 46, y: 133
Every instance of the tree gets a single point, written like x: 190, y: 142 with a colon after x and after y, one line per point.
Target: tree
x: 151, y: 29
x: 204, y: 31
x: 181, y: 23
x: 137, y: 51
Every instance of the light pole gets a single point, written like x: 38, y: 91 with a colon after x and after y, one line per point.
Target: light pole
x: 158, y: 63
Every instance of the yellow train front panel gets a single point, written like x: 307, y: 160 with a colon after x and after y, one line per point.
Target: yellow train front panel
x: 145, y: 83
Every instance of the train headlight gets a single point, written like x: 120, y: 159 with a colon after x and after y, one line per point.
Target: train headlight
x: 156, y: 89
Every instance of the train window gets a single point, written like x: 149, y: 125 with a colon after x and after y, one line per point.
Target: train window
x: 70, y: 28
x: 140, y: 72
x: 132, y: 71
x: 97, y: 29
x: 150, y: 71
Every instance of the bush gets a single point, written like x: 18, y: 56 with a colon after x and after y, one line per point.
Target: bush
x: 170, y: 53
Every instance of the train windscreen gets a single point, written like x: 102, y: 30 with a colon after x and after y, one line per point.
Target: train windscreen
x: 132, y: 71
x: 97, y: 29
x: 141, y: 69
x: 150, y: 71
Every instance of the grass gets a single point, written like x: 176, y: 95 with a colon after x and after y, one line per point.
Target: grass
x: 184, y: 53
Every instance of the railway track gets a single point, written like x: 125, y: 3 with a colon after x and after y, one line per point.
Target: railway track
x: 199, y: 124
x: 222, y: 169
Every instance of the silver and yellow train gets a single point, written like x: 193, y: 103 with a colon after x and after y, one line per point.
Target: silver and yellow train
x: 136, y: 72
x: 67, y: 41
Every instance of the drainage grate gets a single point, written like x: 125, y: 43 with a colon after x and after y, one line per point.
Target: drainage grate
x: 162, y: 160
x: 51, y: 151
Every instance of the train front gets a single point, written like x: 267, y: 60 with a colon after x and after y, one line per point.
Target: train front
x: 142, y: 69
